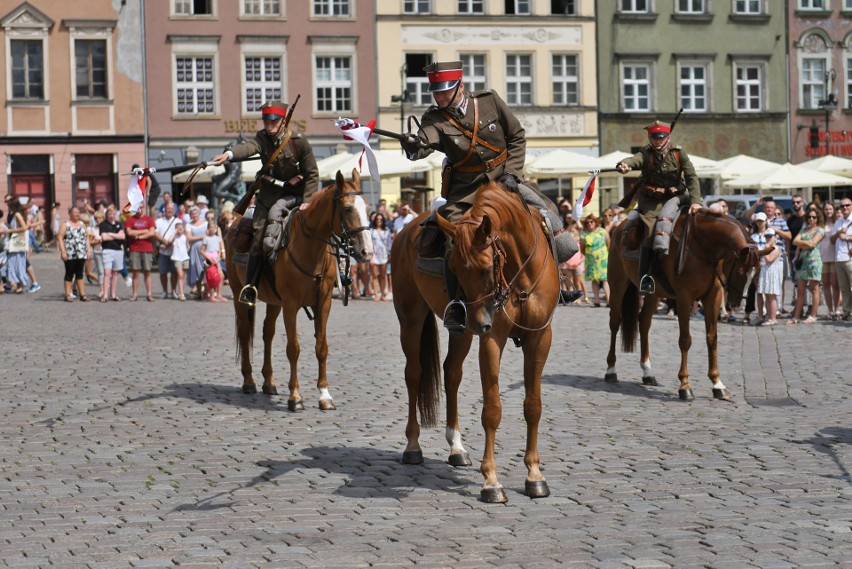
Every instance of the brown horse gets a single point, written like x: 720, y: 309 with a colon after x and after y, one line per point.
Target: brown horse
x: 719, y: 257
x: 505, y: 266
x: 304, y: 275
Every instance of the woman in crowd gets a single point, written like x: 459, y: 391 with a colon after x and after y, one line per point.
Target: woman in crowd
x: 73, y: 244
x: 111, y: 232
x: 195, y: 234
x: 809, y: 264
x: 830, y: 288
x: 381, y: 255
x: 574, y: 269
x: 180, y: 257
x: 211, y: 250
x: 97, y: 249
x: 607, y: 218
x: 17, y: 242
x: 771, y: 272
x: 594, y: 244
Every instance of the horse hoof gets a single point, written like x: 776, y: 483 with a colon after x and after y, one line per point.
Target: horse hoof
x: 536, y: 489
x: 327, y: 405
x: 249, y: 388
x: 493, y: 496
x: 412, y: 457
x: 685, y: 394
x: 295, y: 405
x: 611, y: 377
x: 460, y: 459
x: 270, y: 390
x: 649, y: 381
x: 722, y: 394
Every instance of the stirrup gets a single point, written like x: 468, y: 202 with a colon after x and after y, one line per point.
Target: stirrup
x: 647, y: 285
x: 451, y: 317
x: 248, y: 295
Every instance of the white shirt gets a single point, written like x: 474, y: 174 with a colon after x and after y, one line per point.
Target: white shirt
x: 165, y: 229
x: 841, y: 248
x: 180, y: 250
x: 401, y: 221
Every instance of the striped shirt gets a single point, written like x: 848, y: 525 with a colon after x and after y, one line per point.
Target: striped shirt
x: 778, y: 222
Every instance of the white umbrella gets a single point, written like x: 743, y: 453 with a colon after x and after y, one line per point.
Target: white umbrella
x: 831, y: 164
x: 787, y: 176
x: 205, y: 176
x: 560, y: 162
x: 390, y: 162
x: 740, y: 165
x: 703, y: 166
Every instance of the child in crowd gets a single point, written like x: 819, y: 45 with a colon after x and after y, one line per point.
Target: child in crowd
x: 180, y: 257
x: 211, y: 251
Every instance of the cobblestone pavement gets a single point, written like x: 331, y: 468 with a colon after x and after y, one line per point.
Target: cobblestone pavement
x: 127, y: 443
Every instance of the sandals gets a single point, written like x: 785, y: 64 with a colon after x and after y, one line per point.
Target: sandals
x: 150, y: 298
x: 809, y: 320
x: 115, y: 299
x: 792, y: 321
x: 768, y: 323
x: 104, y: 299
x: 84, y: 298
x: 132, y: 298
x: 746, y: 320
x: 69, y: 298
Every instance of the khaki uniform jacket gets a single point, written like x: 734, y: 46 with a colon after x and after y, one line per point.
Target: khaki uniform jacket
x: 665, y: 175
x: 496, y: 125
x: 285, y: 167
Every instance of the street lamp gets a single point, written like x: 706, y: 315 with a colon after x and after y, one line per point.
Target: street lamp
x: 828, y: 105
x: 402, y: 98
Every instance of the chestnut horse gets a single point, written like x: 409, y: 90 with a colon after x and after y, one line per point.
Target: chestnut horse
x: 304, y: 275
x: 505, y: 267
x: 719, y: 257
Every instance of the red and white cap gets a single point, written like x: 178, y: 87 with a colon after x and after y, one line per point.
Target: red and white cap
x: 273, y: 110
x: 443, y: 75
x: 658, y: 129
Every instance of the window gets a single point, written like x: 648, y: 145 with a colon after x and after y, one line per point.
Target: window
x: 748, y: 7
x: 518, y: 79
x: 518, y: 7
x: 417, y: 7
x: 693, y: 87
x: 690, y: 7
x: 634, y: 6
x: 27, y: 69
x: 416, y: 81
x: 333, y: 82
x: 331, y: 8
x: 749, y: 88
x: 90, y: 68
x: 847, y: 4
x: 849, y: 82
x: 471, y: 6
x: 563, y: 7
x: 193, y: 7
x: 565, y: 81
x: 194, y: 84
x: 261, y: 7
x: 813, y: 82
x: 811, y: 4
x: 636, y: 87
x: 262, y: 82
x: 473, y: 66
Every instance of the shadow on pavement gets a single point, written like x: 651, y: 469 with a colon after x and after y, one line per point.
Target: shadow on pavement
x: 825, y: 440
x: 594, y: 383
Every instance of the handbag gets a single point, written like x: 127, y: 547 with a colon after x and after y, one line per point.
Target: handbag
x: 18, y: 242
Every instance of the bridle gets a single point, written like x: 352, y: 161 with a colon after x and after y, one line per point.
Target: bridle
x: 752, y: 259
x: 504, y: 288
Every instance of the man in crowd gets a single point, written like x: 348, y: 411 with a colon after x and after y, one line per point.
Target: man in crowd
x: 841, y: 237
x: 141, y: 232
x: 165, y: 227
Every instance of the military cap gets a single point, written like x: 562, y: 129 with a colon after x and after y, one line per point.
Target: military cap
x: 273, y: 110
x: 443, y: 75
x: 658, y: 129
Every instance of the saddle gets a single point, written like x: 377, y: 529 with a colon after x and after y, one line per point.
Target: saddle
x: 431, y: 247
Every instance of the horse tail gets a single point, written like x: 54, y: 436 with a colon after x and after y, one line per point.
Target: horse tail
x: 430, y: 378
x: 250, y: 312
x: 629, y: 318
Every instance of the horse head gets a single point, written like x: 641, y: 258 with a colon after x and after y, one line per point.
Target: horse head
x: 477, y: 259
x: 351, y: 224
x: 744, y: 265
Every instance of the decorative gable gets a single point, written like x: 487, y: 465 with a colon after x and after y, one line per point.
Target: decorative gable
x: 26, y: 17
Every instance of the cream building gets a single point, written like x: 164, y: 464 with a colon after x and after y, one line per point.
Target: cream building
x: 539, y: 55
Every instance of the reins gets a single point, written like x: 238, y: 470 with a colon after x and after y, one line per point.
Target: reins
x: 717, y: 263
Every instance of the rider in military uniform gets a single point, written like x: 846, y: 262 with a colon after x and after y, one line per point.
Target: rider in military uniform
x: 666, y: 172
x: 483, y: 142
x: 288, y: 182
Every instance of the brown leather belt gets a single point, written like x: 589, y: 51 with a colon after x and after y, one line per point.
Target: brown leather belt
x: 488, y: 165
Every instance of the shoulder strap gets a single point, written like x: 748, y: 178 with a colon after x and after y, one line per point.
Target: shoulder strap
x: 676, y: 154
x: 472, y: 136
x: 279, y: 149
x: 294, y: 148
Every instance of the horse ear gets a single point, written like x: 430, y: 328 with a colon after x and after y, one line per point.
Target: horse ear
x: 447, y: 227
x: 356, y: 177
x: 339, y: 179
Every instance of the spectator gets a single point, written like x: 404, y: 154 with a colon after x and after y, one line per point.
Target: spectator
x: 607, y: 218
x: 141, y: 232
x: 112, y: 240
x: 841, y: 236
x: 202, y: 202
x: 808, y: 264
x: 89, y: 268
x: 381, y: 255
x: 97, y: 250
x: 771, y: 272
x: 182, y: 214
x: 17, y: 245
x: 180, y: 257
x: 402, y: 219
x: 167, y: 200
x: 830, y: 290
x: 776, y: 220
x: 54, y: 224
x: 196, y: 231
x: 574, y: 269
x: 73, y: 244
x: 211, y: 246
x: 165, y: 227
x: 594, y: 244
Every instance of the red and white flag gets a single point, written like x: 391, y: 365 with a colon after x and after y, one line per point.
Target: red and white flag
x: 585, y: 196
x: 352, y: 130
x: 136, y: 192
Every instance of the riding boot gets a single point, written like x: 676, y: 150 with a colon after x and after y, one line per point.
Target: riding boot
x: 455, y: 315
x: 646, y: 281
x: 248, y: 294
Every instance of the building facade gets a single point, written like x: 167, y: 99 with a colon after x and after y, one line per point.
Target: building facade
x: 72, y: 93
x: 211, y: 64
x: 723, y: 62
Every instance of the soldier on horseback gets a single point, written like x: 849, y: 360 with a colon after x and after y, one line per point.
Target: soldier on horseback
x: 666, y: 172
x: 483, y: 142
x: 288, y: 179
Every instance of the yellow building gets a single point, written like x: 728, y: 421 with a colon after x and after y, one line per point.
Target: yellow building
x: 539, y: 55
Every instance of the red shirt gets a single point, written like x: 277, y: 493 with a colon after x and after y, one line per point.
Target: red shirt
x: 142, y: 222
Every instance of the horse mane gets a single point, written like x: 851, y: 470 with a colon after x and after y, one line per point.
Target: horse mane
x: 501, y: 206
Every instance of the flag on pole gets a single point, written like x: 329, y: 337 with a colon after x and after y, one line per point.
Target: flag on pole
x: 352, y: 130
x: 585, y: 196
x: 136, y: 192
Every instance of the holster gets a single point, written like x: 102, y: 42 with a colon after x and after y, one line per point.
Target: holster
x: 243, y: 235
x: 445, y: 180
x: 431, y: 241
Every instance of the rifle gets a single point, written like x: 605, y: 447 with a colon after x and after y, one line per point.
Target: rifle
x: 243, y: 204
x: 631, y: 194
